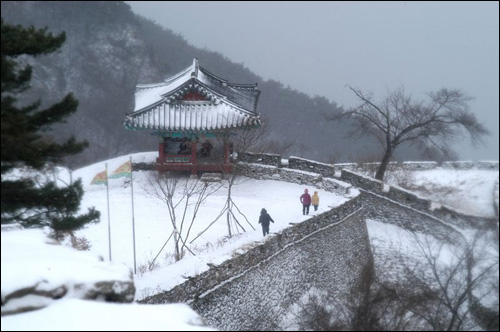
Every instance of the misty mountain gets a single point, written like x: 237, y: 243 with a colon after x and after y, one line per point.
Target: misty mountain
x: 109, y: 49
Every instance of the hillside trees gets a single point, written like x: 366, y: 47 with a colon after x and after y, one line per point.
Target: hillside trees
x: 31, y: 200
x: 110, y: 50
x: 399, y: 119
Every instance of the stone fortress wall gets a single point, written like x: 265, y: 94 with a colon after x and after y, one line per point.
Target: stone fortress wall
x: 328, y: 251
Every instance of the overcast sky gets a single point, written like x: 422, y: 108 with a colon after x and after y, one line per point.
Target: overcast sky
x: 319, y: 47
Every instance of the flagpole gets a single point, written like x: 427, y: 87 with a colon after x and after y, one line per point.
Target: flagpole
x: 109, y: 222
x: 133, y: 214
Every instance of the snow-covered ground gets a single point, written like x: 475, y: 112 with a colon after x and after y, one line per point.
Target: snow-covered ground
x: 30, y: 259
x: 469, y: 191
x: 80, y: 315
x: 152, y: 229
x: 26, y: 249
x: 153, y: 226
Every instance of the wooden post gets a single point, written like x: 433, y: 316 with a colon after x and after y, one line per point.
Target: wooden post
x: 161, y: 152
x: 194, y: 161
x: 226, y: 152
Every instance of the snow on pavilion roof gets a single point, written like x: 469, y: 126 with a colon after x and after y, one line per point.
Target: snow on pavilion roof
x: 194, y: 100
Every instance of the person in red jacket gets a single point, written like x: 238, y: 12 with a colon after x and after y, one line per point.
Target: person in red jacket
x: 305, y: 199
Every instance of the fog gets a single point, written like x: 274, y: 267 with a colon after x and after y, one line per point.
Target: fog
x: 319, y: 47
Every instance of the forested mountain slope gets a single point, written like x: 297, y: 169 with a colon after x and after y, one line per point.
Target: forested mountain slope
x: 109, y: 50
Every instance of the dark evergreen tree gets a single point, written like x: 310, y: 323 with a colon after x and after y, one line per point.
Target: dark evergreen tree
x: 25, y: 142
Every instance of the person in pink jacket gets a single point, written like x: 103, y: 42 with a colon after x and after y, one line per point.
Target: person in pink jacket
x: 305, y: 199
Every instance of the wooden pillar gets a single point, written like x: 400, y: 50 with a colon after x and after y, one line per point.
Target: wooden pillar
x: 194, y: 148
x: 161, y: 153
x: 194, y: 161
x: 226, y: 152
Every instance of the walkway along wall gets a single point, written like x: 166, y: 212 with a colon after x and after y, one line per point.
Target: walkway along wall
x: 402, y: 207
x: 252, y: 291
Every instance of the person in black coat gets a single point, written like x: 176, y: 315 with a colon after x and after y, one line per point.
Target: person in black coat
x: 264, y: 219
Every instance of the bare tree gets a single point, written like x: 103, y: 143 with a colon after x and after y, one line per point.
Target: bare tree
x: 366, y: 307
x: 439, y: 291
x: 174, y: 189
x: 248, y: 138
x: 281, y: 147
x: 231, y: 217
x: 259, y: 140
x: 233, y: 222
x: 399, y: 119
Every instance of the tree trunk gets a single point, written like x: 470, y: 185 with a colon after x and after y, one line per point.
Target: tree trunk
x: 383, y: 166
x: 177, y: 255
x: 229, y: 209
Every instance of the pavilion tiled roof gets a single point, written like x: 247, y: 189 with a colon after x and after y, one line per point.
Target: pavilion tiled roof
x: 218, y: 105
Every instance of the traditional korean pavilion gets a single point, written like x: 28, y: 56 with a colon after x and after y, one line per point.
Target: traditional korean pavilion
x: 195, y: 114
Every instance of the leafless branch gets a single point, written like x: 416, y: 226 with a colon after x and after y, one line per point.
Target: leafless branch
x: 399, y: 118
x: 174, y: 189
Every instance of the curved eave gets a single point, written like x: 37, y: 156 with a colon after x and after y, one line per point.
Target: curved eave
x: 241, y: 123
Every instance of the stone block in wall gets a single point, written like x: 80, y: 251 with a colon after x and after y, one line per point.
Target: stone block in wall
x: 349, y: 166
x: 300, y: 177
x: 487, y: 165
x: 260, y: 158
x: 392, y: 165
x: 458, y: 164
x: 361, y: 181
x: 409, y: 198
x: 257, y: 171
x: 326, y: 170
x: 463, y: 220
x: 370, y: 168
x: 389, y: 211
x: 419, y: 165
x: 336, y: 186
x: 373, y: 167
